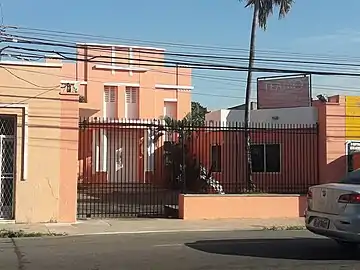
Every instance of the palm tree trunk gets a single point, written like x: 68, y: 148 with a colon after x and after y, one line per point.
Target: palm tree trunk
x: 250, y: 183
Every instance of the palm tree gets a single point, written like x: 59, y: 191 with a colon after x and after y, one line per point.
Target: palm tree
x: 262, y: 9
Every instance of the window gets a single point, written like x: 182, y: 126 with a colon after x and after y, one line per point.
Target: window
x: 110, y: 94
x: 110, y: 101
x: 265, y: 157
x: 170, y: 109
x: 216, y: 158
x: 131, y: 94
x: 131, y: 102
x: 352, y: 178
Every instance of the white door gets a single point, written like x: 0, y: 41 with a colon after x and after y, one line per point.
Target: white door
x: 170, y: 109
x: 110, y: 101
x: 123, y: 157
x: 131, y: 102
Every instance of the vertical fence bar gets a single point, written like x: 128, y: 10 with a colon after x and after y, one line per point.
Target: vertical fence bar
x: 183, y: 161
x: 317, y: 143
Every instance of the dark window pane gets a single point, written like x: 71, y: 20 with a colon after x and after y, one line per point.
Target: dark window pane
x: 216, y: 158
x: 7, y: 125
x: 350, y: 166
x: 272, y: 152
x: 257, y: 158
x: 352, y: 178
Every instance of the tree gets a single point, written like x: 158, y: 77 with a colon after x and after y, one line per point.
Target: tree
x: 189, y: 173
x: 195, y: 118
x: 262, y: 9
x: 198, y: 113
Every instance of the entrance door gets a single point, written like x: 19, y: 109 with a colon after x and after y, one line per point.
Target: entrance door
x: 6, y: 176
x: 7, y: 163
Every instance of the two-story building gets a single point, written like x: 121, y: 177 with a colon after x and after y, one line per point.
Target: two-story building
x: 123, y: 90
x: 128, y: 90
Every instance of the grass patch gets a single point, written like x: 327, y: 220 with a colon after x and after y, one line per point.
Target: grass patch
x: 16, y: 234
x: 285, y: 228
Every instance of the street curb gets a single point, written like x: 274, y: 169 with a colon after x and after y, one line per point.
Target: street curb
x: 165, y: 231
x: 254, y: 228
x: 131, y: 232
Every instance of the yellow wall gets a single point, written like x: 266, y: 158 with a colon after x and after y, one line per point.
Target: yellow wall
x: 352, y: 120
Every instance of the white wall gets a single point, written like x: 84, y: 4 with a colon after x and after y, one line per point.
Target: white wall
x: 284, y: 116
x: 213, y: 117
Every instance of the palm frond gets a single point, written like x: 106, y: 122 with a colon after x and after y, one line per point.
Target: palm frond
x: 284, y: 7
x: 265, y: 8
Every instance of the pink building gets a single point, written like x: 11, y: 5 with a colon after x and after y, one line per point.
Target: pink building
x: 127, y: 82
x: 40, y: 128
x: 132, y: 86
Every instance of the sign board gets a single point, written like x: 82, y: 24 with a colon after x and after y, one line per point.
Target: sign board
x: 285, y: 92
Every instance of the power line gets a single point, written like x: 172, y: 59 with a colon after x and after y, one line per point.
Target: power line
x: 227, y: 81
x: 193, y: 65
x: 150, y: 88
x: 194, y: 56
x: 170, y: 44
x: 103, y: 61
x: 25, y: 80
x: 48, y: 42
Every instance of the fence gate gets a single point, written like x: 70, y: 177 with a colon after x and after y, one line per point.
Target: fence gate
x: 122, y: 172
x: 7, y: 158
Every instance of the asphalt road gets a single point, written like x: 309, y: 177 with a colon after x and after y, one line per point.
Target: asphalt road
x: 215, y: 250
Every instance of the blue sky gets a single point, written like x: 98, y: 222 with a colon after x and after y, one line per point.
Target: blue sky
x: 313, y: 27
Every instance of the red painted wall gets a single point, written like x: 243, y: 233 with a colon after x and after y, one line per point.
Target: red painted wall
x: 299, y: 157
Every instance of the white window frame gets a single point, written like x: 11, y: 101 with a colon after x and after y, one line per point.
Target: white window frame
x: 133, y: 90
x: 172, y: 101
x: 109, y: 89
x: 280, y: 156
x: 347, y: 144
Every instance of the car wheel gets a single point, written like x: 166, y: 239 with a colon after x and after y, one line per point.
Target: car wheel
x: 347, y: 245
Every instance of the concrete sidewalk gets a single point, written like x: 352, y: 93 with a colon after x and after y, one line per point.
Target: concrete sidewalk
x: 123, y: 226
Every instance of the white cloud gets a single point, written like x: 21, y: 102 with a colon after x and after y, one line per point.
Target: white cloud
x: 335, y: 85
x: 346, y: 36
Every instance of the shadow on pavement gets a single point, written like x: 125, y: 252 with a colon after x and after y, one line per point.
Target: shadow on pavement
x: 293, y: 248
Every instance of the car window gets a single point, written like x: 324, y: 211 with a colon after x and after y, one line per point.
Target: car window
x: 352, y: 178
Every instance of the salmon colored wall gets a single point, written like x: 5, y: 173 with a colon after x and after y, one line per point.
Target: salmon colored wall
x: 197, y: 207
x: 151, y: 99
x: 44, y: 196
x: 69, y: 125
x: 332, y: 137
x: 298, y: 158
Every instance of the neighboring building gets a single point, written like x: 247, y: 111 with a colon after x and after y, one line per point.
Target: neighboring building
x: 285, y: 116
x: 303, y: 146
x: 44, y: 154
x: 38, y: 144
x: 253, y: 106
x: 284, y: 146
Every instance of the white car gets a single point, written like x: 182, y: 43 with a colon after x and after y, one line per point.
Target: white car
x: 333, y: 210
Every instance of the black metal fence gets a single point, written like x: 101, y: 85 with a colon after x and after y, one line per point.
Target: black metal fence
x: 138, y: 168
